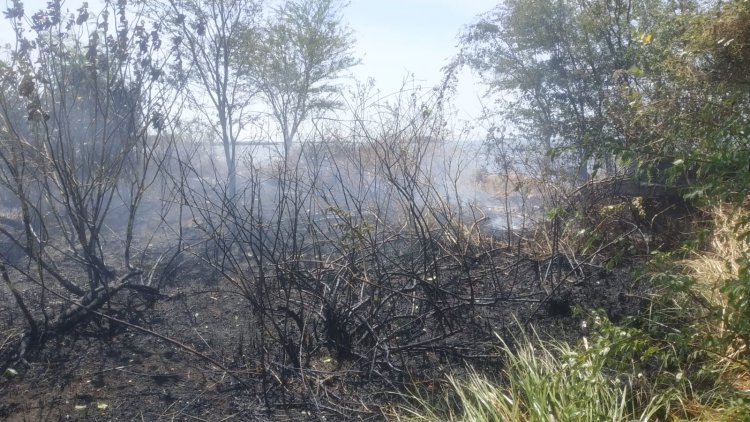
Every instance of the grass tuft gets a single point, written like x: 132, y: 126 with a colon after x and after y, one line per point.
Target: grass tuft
x: 541, y: 381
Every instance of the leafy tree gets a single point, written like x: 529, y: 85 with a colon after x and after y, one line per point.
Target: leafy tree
x: 691, y: 104
x: 687, y: 99
x: 206, y: 35
x: 555, y: 65
x: 83, y: 103
x: 295, y: 60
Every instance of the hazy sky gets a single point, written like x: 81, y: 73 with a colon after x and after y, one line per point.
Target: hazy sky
x: 394, y: 38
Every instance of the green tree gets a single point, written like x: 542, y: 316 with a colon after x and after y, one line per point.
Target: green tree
x: 690, y: 104
x: 94, y: 108
x: 687, y: 98
x: 554, y: 64
x: 206, y: 35
x: 296, y: 59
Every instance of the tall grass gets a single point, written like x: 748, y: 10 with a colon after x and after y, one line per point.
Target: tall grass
x: 719, y: 261
x: 541, y: 381
x: 720, y: 324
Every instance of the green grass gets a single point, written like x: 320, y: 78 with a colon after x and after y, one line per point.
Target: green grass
x: 541, y: 381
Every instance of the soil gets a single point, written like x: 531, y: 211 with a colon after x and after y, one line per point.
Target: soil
x: 105, y: 370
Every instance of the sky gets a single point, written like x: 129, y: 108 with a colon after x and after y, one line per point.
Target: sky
x: 399, y: 37
x: 394, y: 39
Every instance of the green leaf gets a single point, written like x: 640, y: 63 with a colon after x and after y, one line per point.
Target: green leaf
x: 636, y: 71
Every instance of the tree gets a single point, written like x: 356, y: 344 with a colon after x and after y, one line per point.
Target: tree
x: 554, y: 63
x: 686, y: 99
x: 295, y: 60
x: 688, y: 105
x: 82, y: 102
x: 207, y: 33
x: 656, y: 82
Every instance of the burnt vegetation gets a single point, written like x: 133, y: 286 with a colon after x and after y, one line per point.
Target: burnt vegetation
x: 145, y: 275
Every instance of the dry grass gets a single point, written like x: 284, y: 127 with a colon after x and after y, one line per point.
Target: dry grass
x: 720, y: 260
x: 710, y: 268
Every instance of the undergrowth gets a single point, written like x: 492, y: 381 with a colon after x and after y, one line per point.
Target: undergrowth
x: 540, y: 381
x: 683, y: 358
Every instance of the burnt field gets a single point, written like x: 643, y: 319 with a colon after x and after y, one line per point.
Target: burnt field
x: 205, y: 215
x: 322, y: 290
x: 145, y: 277
x: 198, y: 349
